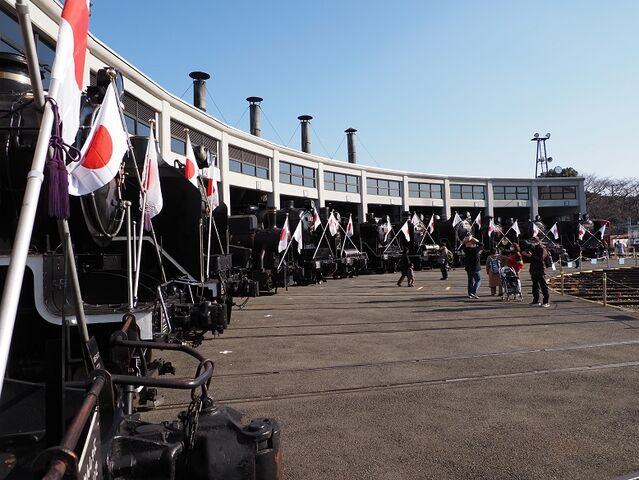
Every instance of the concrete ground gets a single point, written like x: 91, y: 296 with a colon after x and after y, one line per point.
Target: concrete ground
x: 373, y: 381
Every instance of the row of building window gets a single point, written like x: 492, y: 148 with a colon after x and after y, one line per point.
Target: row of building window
x: 297, y: 175
x: 248, y: 163
x: 341, y: 182
x: 425, y: 190
x: 379, y: 186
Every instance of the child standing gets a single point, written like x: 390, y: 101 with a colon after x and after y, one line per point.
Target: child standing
x: 411, y: 275
x: 492, y: 269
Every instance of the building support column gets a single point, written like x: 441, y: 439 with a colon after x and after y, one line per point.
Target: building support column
x: 446, y: 198
x: 274, y: 197
x: 490, y: 208
x: 362, y: 209
x: 223, y: 164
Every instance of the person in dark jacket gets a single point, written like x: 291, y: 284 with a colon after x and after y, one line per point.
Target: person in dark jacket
x: 442, y: 260
x: 538, y: 256
x: 404, y: 267
x: 472, y: 253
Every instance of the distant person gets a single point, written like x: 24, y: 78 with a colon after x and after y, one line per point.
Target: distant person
x: 620, y: 248
x: 404, y: 267
x: 411, y: 275
x: 442, y: 260
x: 538, y: 258
x: 493, y: 266
x: 472, y: 255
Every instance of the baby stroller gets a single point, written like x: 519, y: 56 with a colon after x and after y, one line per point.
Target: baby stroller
x: 511, y: 286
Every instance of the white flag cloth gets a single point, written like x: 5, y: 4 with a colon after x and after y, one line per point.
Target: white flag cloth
x: 406, y: 231
x: 69, y: 63
x: 102, y: 153
x: 316, y: 219
x: 491, y: 227
x: 285, y: 234
x: 602, y: 230
x: 297, y: 235
x: 581, y: 231
x: 151, y: 179
x: 332, y: 224
x: 515, y: 227
x: 190, y: 167
x: 555, y: 231
x: 431, y: 223
x: 212, y: 194
x: 478, y: 220
x: 387, y: 228
x: 415, y: 220
x: 456, y: 220
x: 535, y: 230
x: 349, y: 228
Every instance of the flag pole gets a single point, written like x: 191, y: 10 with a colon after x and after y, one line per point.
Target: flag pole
x: 157, y: 251
x: 349, y: 239
x: 391, y: 242
x: 208, y: 243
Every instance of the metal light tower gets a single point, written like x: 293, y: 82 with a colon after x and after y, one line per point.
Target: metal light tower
x: 541, y: 160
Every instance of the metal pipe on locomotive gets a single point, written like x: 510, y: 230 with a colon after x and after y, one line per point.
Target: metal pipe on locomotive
x: 53, y: 362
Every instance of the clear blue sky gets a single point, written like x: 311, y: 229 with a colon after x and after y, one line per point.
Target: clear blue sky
x: 451, y: 87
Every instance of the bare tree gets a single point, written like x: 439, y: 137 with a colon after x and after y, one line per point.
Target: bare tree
x: 614, y: 199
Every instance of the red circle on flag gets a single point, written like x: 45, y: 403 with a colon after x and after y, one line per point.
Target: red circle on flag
x: 100, y: 151
x: 189, y: 171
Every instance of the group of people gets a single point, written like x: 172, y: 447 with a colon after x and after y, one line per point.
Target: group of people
x: 539, y: 259
x: 472, y: 249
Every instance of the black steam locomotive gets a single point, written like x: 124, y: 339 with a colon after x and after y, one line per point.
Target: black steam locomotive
x: 67, y: 406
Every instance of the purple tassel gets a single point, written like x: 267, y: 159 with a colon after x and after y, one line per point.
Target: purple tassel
x: 58, y: 179
x: 58, y: 189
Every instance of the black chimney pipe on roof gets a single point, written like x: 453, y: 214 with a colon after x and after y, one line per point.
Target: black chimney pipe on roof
x: 306, y: 134
x: 254, y: 115
x: 350, y: 137
x: 199, y: 89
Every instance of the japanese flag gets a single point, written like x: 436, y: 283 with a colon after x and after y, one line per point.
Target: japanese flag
x: 491, y: 227
x: 316, y: 219
x: 431, y: 223
x: 68, y: 65
x: 349, y: 228
x: 151, y: 181
x: 456, y: 220
x: 602, y: 230
x: 405, y: 230
x: 581, y: 231
x: 478, y: 220
x: 387, y: 227
x: 555, y: 231
x: 415, y: 220
x: 332, y: 224
x: 190, y: 167
x: 212, y: 194
x: 515, y: 227
x: 297, y: 235
x: 285, y: 234
x: 535, y: 230
x: 102, y: 152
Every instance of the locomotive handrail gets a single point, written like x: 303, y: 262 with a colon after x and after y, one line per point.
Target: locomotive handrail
x: 176, y: 383
x: 58, y: 467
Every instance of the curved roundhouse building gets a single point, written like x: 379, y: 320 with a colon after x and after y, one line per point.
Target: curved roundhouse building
x: 256, y: 171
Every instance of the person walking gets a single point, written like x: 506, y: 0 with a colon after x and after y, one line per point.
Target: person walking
x: 404, y: 267
x: 442, y: 260
x: 493, y: 265
x: 538, y: 258
x: 472, y: 253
